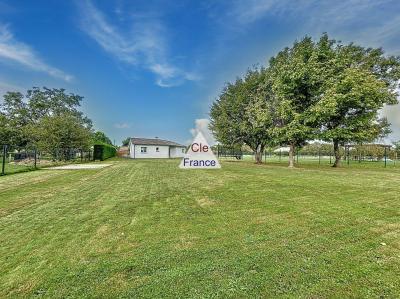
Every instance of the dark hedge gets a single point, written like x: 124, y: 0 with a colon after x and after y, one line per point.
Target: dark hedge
x: 103, y: 151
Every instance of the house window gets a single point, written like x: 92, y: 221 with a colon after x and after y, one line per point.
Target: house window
x: 183, y: 150
x: 157, y: 149
x: 143, y: 149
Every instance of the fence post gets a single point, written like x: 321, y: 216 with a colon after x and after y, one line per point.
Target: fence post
x: 385, y: 156
x: 35, y: 153
x: 3, y: 166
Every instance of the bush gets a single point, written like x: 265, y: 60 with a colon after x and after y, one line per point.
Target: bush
x: 102, y: 151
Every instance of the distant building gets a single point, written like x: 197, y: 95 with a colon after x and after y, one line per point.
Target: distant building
x: 285, y: 149
x: 123, y: 151
x: 155, y: 148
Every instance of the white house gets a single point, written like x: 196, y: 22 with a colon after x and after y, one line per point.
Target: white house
x: 155, y: 148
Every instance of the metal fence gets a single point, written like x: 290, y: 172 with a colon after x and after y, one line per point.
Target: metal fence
x: 351, y: 155
x: 18, y: 159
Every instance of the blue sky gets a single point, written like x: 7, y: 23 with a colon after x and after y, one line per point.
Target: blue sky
x: 152, y: 68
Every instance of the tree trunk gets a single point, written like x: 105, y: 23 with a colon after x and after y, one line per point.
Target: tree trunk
x: 336, y: 150
x: 259, y: 153
x: 291, y: 155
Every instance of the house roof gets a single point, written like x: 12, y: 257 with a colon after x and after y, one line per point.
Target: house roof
x: 154, y: 141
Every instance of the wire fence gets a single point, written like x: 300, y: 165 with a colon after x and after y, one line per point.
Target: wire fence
x: 375, y: 155
x: 19, y: 159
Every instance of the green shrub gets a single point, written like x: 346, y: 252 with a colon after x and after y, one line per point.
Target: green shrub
x: 103, y: 151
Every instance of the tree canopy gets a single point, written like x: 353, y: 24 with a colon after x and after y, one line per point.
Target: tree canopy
x: 295, y: 87
x: 357, y: 83
x: 322, y: 90
x: 125, y: 142
x: 47, y: 118
x: 59, y: 134
x: 242, y: 114
x: 101, y: 137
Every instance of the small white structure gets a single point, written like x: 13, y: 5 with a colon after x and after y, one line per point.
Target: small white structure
x: 155, y: 148
x: 285, y: 149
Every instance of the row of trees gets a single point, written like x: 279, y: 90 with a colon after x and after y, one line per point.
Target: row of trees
x: 46, y: 118
x: 322, y: 90
x: 361, y: 151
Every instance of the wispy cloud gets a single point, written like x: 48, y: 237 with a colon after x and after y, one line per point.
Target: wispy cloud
x: 16, y: 51
x: 252, y: 10
x: 375, y: 23
x: 122, y: 125
x: 144, y: 45
x: 326, y: 11
x: 201, y: 125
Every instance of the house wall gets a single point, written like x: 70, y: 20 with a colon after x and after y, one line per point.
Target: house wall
x: 135, y: 151
x: 177, y: 151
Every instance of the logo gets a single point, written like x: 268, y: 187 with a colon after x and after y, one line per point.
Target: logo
x: 199, y: 155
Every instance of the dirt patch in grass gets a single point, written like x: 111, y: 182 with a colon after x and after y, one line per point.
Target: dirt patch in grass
x: 79, y: 166
x: 205, y: 202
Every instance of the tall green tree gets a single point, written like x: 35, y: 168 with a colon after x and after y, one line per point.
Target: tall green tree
x: 60, y: 134
x: 101, y: 137
x: 27, y: 119
x: 125, y: 142
x: 242, y: 113
x: 16, y: 117
x: 50, y: 102
x: 312, y: 90
x: 357, y: 83
x: 295, y: 87
x: 6, y: 130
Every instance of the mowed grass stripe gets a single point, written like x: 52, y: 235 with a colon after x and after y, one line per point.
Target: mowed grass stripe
x: 147, y: 229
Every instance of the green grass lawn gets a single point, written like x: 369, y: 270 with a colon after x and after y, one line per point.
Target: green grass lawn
x: 12, y: 168
x: 148, y: 229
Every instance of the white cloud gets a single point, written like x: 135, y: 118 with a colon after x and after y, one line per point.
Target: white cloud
x: 15, y: 51
x: 252, y: 10
x: 369, y: 22
x: 122, y: 125
x: 144, y: 45
x: 338, y: 13
x: 201, y: 125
